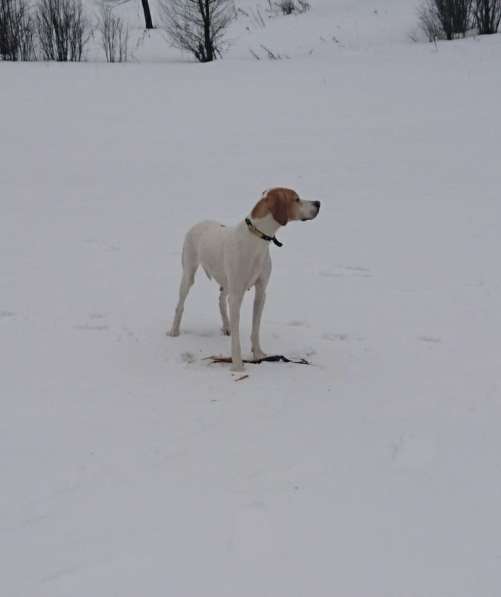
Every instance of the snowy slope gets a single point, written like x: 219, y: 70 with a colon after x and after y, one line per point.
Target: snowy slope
x: 131, y: 467
x: 329, y: 27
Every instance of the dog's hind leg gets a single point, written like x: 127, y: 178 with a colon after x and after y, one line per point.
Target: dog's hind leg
x: 190, y: 265
x: 186, y: 284
x: 223, y: 308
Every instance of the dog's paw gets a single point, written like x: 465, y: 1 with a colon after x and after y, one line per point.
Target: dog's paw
x: 237, y: 368
x: 173, y: 333
x: 259, y: 354
x: 226, y: 331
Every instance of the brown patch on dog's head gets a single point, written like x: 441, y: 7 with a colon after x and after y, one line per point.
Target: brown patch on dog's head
x: 281, y: 203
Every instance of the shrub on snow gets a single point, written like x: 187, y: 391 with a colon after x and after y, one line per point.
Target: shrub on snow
x: 16, y: 31
x: 63, y: 29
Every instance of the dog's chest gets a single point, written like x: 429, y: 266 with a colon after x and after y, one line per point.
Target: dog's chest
x: 234, y: 257
x: 257, y: 267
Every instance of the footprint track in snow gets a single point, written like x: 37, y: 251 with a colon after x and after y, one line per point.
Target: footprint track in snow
x: 346, y: 271
x: 430, y: 339
x: 95, y: 323
x: 340, y: 337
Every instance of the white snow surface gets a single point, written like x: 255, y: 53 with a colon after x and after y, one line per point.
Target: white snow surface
x: 129, y: 465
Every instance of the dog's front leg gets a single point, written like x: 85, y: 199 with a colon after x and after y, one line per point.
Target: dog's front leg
x: 235, y: 300
x: 257, y: 313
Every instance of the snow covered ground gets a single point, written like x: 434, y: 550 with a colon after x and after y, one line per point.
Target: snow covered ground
x: 131, y: 467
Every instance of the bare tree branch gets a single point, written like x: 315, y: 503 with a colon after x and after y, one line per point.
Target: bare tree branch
x: 63, y: 29
x: 197, y: 26
x: 17, y: 31
x: 114, y: 36
x: 487, y: 14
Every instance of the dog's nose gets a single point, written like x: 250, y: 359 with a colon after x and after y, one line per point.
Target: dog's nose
x: 316, y: 204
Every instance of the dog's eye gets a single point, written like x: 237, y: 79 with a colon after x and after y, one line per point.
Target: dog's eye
x: 297, y: 199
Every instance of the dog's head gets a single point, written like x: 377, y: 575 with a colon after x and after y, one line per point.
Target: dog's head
x: 285, y: 205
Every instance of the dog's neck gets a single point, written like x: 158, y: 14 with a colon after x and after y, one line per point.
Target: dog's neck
x: 267, y: 225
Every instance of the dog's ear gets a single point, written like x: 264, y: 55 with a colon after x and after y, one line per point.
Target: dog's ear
x: 261, y: 208
x: 279, y: 207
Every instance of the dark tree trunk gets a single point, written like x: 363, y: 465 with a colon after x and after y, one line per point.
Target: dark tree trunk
x: 147, y: 14
x: 209, y: 50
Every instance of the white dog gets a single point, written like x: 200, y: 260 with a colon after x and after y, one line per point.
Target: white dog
x: 239, y: 258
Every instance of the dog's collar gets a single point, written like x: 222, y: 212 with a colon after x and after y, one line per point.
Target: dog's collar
x: 262, y: 235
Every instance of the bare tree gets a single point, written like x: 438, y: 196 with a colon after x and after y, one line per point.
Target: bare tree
x: 429, y: 22
x: 446, y: 18
x: 289, y: 7
x: 487, y: 15
x: 286, y: 6
x: 197, y: 26
x: 114, y: 36
x: 63, y: 29
x: 16, y: 31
